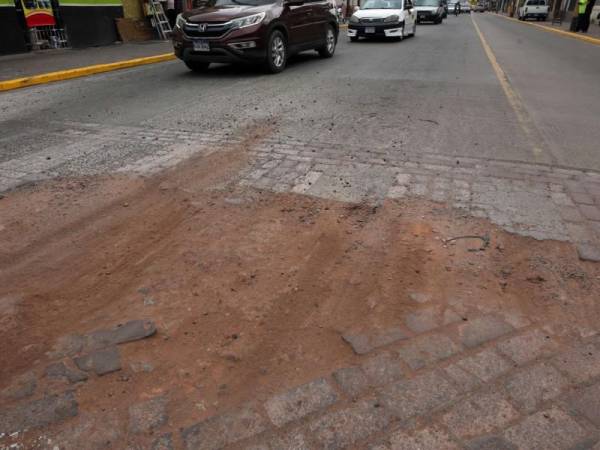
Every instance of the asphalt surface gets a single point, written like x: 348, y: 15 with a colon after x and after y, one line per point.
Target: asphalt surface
x: 436, y: 93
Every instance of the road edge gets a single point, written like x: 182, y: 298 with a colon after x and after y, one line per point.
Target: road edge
x: 570, y: 34
x: 78, y: 72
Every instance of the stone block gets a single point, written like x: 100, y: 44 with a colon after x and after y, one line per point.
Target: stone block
x: 383, y: 369
x: 342, y: 428
x: 534, y: 385
x: 364, y: 343
x: 300, y: 401
x: 489, y: 443
x: 428, y: 438
x: 479, y: 414
x: 352, y: 380
x: 464, y: 380
x: 426, y: 350
x: 418, y: 395
x: 100, y: 362
x: 586, y: 402
x: 588, y: 251
x: 590, y: 212
x: 423, y: 320
x: 486, y: 364
x: 292, y: 440
x: 528, y: 346
x: 148, y: 415
x: 38, y: 413
x: 551, y: 429
x: 219, y: 431
x: 580, y: 363
x: 482, y: 329
x: 61, y: 371
x: 130, y: 331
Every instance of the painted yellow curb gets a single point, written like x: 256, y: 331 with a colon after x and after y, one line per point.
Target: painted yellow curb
x: 82, y: 71
x: 570, y: 34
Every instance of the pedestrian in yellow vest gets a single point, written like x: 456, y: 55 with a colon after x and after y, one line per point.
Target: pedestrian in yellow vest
x: 581, y: 16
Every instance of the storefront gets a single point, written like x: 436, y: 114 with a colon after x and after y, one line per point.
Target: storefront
x: 47, y: 24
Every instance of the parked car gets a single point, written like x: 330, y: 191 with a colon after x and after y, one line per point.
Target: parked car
x: 383, y: 18
x: 533, y: 9
x: 478, y: 8
x: 254, y: 31
x: 429, y: 11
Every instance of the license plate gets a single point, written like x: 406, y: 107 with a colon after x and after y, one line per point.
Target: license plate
x: 201, y: 46
x: 370, y: 30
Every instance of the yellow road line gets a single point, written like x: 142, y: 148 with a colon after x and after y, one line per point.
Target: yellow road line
x: 514, y: 99
x: 82, y: 71
x: 581, y: 37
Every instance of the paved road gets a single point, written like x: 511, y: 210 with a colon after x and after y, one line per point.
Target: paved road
x: 436, y: 97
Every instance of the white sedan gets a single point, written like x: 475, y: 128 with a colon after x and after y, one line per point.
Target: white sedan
x: 383, y: 18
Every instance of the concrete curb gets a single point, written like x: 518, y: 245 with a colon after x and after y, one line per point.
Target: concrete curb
x: 581, y: 37
x: 82, y: 71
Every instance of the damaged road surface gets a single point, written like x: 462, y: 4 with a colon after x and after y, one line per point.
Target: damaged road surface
x: 309, y: 260
x: 186, y: 311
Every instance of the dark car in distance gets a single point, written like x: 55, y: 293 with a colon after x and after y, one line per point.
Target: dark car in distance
x: 254, y: 31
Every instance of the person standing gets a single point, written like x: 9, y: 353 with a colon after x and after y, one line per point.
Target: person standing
x: 171, y: 12
x: 581, y: 7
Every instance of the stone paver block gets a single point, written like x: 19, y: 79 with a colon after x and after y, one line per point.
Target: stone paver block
x: 429, y: 438
x: 426, y: 350
x: 38, y: 413
x: 164, y: 442
x: 364, y: 343
x: 101, y: 362
x: 218, y: 431
x: 342, y: 428
x: 479, y: 414
x: 529, y: 346
x: 464, y: 380
x: 61, y: 371
x: 482, y: 329
x: 423, y: 320
x: 551, y: 429
x: 534, y: 385
x: 580, y: 363
x: 489, y: 443
x: 587, y: 403
x: 590, y: 212
x: 148, y: 415
x: 418, y: 395
x: 293, y: 440
x: 582, y: 197
x: 588, y: 251
x: 352, y: 380
x: 130, y: 331
x: 383, y: 369
x: 486, y: 364
x: 300, y: 401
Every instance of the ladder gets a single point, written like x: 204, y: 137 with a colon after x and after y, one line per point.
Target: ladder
x: 159, y: 20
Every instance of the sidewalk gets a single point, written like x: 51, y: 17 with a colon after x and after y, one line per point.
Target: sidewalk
x: 35, y: 63
x: 593, y: 31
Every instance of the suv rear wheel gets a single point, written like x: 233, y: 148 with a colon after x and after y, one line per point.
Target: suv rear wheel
x: 328, y: 49
x: 197, y: 66
x: 276, y: 52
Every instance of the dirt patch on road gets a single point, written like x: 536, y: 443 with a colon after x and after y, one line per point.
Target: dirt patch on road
x: 250, y: 291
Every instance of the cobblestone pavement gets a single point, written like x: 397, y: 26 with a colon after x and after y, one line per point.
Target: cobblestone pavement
x: 541, y: 201
x: 493, y: 382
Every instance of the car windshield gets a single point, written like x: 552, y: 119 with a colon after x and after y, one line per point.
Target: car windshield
x: 427, y: 2
x: 241, y: 2
x: 382, y: 4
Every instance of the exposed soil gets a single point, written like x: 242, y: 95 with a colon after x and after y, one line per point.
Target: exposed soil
x: 250, y: 290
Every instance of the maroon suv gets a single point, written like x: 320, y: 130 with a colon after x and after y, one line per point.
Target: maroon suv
x: 265, y: 31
